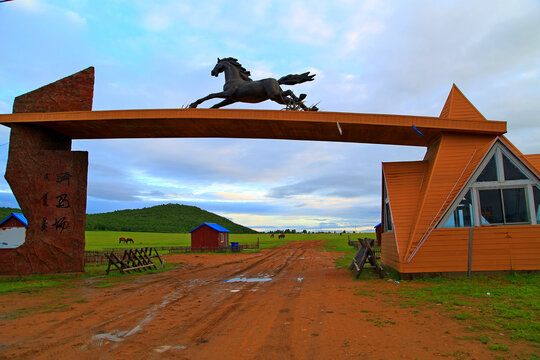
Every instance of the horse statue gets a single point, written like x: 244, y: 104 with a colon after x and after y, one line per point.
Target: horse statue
x: 240, y: 87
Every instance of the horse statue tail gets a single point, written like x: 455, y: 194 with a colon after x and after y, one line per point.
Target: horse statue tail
x: 293, y: 79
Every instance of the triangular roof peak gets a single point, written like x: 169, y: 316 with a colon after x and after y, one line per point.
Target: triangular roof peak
x: 458, y: 107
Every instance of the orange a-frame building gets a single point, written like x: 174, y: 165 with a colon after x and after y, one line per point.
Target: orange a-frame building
x: 472, y: 203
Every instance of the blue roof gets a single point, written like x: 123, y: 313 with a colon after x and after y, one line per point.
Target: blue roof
x: 213, y: 226
x: 376, y: 226
x: 18, y: 216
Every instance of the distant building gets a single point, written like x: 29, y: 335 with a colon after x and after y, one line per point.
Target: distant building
x: 472, y: 203
x: 12, y: 232
x: 209, y: 235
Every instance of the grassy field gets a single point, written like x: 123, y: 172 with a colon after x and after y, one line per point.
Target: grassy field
x: 487, y: 304
x: 98, y: 240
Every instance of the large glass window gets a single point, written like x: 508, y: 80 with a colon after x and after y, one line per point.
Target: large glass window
x: 462, y: 216
x: 491, y: 206
x: 503, y: 206
x: 515, y: 206
x: 502, y: 193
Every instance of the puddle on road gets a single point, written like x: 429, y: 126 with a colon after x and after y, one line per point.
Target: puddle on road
x: 249, y: 280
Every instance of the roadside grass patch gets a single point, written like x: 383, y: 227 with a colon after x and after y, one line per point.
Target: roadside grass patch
x: 505, y: 303
x: 36, y: 283
x: 498, y: 347
x: 341, y: 243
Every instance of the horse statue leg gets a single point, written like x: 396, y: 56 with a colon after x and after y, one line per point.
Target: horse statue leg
x: 223, y: 103
x: 223, y: 94
x: 287, y: 97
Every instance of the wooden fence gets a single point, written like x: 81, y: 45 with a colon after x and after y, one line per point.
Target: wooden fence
x: 99, y: 257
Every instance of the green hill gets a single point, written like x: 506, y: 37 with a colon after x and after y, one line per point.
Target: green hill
x: 170, y: 218
x: 4, y: 212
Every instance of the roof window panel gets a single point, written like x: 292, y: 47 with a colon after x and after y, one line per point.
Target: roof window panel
x: 511, y: 171
x: 490, y: 171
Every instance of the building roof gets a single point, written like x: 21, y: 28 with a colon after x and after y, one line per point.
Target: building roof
x: 213, y: 226
x: 534, y: 160
x: 457, y: 106
x: 17, y: 216
x: 420, y: 193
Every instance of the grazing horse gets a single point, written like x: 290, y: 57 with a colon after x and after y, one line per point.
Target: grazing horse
x: 281, y: 236
x: 125, y: 240
x: 272, y: 235
x: 240, y: 87
x: 121, y: 240
x: 130, y: 240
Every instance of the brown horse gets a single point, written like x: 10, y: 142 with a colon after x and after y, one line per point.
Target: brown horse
x: 281, y: 236
x: 125, y: 240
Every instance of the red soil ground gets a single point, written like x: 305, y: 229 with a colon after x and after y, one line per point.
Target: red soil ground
x: 309, y: 310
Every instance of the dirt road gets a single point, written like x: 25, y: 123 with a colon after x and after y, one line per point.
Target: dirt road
x: 290, y: 303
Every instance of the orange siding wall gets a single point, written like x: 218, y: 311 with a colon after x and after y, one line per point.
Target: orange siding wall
x: 506, y: 248
x: 389, y: 254
x: 445, y: 250
x: 494, y: 248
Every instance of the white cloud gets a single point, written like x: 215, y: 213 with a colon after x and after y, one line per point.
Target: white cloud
x: 369, y: 56
x: 305, y: 22
x: 75, y: 18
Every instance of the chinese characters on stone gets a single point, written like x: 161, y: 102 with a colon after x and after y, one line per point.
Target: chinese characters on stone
x: 61, y: 201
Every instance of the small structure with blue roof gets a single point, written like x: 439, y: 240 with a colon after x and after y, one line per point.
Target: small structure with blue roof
x: 209, y: 236
x: 12, y: 232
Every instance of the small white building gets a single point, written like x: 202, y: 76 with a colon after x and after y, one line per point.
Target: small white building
x: 12, y: 232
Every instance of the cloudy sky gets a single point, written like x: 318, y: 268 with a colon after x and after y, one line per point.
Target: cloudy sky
x: 392, y: 57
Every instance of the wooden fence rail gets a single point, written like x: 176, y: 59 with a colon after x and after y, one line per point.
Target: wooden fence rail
x: 365, y: 254
x: 100, y: 257
x: 134, y: 259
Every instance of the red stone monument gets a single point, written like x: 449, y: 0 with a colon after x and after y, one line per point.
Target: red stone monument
x: 49, y: 181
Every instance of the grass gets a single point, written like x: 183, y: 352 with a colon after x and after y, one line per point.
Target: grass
x: 341, y: 244
x: 502, y: 303
x: 98, y: 240
x: 39, y: 283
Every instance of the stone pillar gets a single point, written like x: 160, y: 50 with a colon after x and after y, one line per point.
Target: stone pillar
x: 49, y: 181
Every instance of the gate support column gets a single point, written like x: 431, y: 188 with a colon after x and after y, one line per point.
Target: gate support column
x: 49, y: 181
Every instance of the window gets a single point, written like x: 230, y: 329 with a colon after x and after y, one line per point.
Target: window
x: 511, y: 172
x: 387, y: 217
x: 504, y: 192
x: 387, y: 214
x: 515, y: 206
x: 503, y: 206
x: 490, y: 171
x: 462, y: 216
x: 491, y: 206
x: 536, y: 192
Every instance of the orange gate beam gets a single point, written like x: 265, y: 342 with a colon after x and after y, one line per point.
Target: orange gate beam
x: 255, y: 124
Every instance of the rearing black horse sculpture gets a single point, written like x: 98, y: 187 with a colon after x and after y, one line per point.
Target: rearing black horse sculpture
x: 239, y: 87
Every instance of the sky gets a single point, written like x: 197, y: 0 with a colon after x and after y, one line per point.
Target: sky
x: 388, y: 57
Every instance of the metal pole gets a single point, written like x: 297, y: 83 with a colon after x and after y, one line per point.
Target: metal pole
x: 470, y: 252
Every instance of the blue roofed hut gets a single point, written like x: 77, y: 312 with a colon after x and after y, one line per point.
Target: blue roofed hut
x: 209, y: 236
